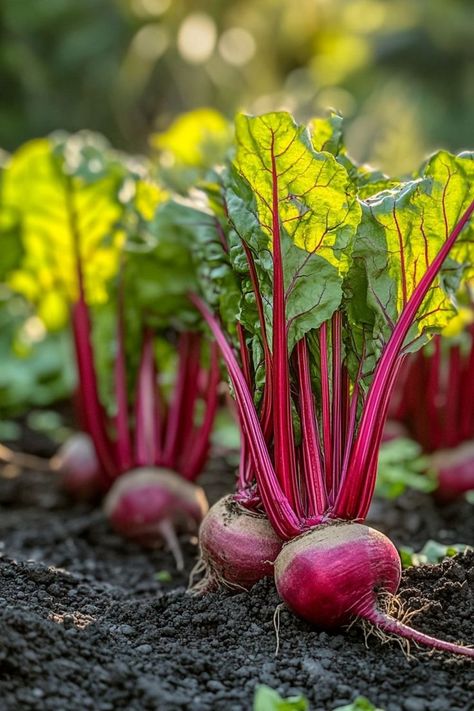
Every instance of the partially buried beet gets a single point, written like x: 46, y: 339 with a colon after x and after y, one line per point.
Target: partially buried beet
x: 151, y: 504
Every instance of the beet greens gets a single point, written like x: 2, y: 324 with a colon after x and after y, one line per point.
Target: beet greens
x: 348, y: 290
x: 93, y: 236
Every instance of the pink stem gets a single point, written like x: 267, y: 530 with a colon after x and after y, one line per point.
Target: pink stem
x: 352, y: 420
x: 345, y: 410
x: 190, y: 395
x: 326, y: 408
x: 145, y: 407
x: 79, y: 409
x: 336, y: 338
x: 365, y: 496
x: 159, y: 420
x: 266, y: 413
x: 124, y: 443
x: 93, y: 411
x: 416, y: 397
x: 467, y: 404
x: 451, y: 434
x: 276, y: 504
x: 432, y: 397
x: 346, y: 501
x: 284, y: 445
x: 244, y: 354
x: 196, y: 458
x: 404, y: 395
x: 244, y: 478
x: 313, y: 477
x: 175, y: 411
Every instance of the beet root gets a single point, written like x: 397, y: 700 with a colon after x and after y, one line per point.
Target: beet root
x: 77, y: 464
x: 238, y: 546
x: 455, y: 471
x: 150, y: 505
x: 338, y: 572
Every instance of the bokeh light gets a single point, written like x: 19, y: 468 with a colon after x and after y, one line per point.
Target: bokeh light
x: 402, y: 74
x: 197, y: 38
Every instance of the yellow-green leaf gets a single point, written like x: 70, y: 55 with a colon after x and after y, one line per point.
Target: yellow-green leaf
x: 402, y: 232
x: 66, y: 190
x: 193, y: 138
x: 317, y: 207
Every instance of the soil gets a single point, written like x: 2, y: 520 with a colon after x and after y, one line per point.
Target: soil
x: 90, y: 621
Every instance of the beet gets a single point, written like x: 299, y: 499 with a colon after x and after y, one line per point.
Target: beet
x: 455, y: 471
x: 77, y: 464
x: 151, y: 504
x: 238, y: 546
x: 347, y: 569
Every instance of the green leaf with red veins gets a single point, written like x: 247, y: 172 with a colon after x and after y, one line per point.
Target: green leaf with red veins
x: 316, y: 203
x: 452, y: 190
x: 62, y: 189
x: 188, y: 252
x: 317, y: 216
x: 401, y: 233
x: 327, y: 134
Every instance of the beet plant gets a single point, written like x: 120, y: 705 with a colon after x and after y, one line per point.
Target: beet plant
x: 339, y: 274
x: 160, y: 434
x: 94, y: 250
x: 65, y: 194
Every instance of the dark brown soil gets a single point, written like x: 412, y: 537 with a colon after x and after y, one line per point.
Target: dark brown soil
x: 86, y: 622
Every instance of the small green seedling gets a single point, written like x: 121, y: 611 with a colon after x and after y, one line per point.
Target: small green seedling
x: 359, y: 704
x: 163, y: 576
x: 431, y: 553
x: 267, y: 699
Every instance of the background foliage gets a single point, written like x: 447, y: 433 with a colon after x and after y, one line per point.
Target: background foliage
x: 401, y: 72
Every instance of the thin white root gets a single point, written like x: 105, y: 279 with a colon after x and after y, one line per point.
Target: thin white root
x: 198, y: 570
x: 276, y: 625
x: 396, y: 608
x: 208, y: 583
x: 369, y: 630
x: 212, y: 580
x: 167, y: 531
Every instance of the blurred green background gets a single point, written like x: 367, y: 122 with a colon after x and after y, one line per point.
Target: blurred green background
x: 401, y: 72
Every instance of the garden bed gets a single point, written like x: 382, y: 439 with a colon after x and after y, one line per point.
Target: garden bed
x: 89, y: 621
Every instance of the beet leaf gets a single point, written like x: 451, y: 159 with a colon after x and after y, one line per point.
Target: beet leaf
x: 347, y: 286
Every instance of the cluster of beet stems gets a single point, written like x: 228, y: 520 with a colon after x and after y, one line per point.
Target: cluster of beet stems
x: 138, y: 459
